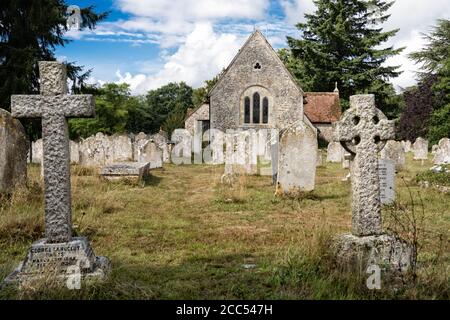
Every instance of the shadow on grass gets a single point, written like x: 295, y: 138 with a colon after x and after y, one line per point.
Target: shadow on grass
x: 152, y: 180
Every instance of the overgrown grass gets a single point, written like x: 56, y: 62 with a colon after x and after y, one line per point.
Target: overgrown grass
x: 436, y: 178
x: 184, y: 235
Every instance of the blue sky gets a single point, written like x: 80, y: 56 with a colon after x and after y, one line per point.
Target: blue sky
x: 148, y: 43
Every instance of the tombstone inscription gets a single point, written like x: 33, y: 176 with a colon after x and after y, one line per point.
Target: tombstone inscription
x: 386, y: 169
x: 58, y: 250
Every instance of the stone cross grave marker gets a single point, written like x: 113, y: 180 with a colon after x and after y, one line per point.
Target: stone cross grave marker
x: 363, y: 131
x: 53, y: 106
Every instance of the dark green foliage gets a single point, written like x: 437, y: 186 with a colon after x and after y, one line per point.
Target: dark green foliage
x: 419, y: 102
x: 433, y: 56
x: 340, y: 42
x: 29, y: 32
x: 435, y: 64
x: 112, y: 104
x: 440, y: 117
x: 118, y: 112
x: 173, y: 98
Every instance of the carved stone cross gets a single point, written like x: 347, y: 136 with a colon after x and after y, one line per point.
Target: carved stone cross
x: 363, y: 131
x: 54, y: 106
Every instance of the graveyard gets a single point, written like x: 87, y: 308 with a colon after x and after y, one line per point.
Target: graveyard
x: 291, y: 163
x: 184, y: 235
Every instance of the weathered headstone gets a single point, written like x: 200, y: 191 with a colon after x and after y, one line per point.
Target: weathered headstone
x: 162, y: 142
x: 386, y: 168
x: 434, y: 148
x: 420, y: 149
x: 214, y: 152
x: 94, y: 150
x: 139, y: 141
x: 393, y: 150
x: 442, y: 155
x: 59, y: 252
x: 297, y: 160
x: 241, y: 152
x: 131, y: 171
x: 100, y: 150
x: 120, y: 149
x: 152, y: 154
x: 406, y: 146
x: 13, y: 153
x: 346, y: 158
x: 36, y: 151
x: 74, y: 152
x: 334, y: 152
x: 319, y: 162
x: 363, y: 131
x: 182, y: 150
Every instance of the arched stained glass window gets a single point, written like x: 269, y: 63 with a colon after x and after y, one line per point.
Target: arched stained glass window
x: 265, y: 110
x: 247, y: 110
x: 256, y: 107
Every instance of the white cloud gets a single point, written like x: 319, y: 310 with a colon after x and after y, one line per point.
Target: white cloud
x: 193, y: 10
x: 207, y: 33
x: 296, y: 9
x: 412, y: 17
x: 203, y: 55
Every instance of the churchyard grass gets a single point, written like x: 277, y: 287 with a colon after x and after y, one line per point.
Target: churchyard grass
x: 184, y: 235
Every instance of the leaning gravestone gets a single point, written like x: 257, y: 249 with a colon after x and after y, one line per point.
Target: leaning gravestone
x: 442, y: 155
x: 297, y: 160
x: 393, y: 150
x: 335, y: 152
x: 420, y: 149
x: 363, y: 130
x: 386, y: 170
x: 13, y: 153
x: 58, y: 254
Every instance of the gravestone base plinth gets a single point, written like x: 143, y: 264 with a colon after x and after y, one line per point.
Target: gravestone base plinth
x: 394, y: 256
x: 60, y: 261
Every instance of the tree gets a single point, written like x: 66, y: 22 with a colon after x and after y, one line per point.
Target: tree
x: 29, y: 32
x: 112, y: 105
x: 419, y: 101
x: 439, y: 125
x: 341, y: 42
x: 434, y: 55
x: 435, y: 62
x: 171, y: 98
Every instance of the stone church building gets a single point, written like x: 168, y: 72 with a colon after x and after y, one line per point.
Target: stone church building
x: 257, y: 91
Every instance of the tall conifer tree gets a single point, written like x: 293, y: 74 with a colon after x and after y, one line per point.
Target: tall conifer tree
x: 342, y: 42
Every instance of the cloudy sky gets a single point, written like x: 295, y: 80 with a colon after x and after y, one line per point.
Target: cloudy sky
x: 149, y: 43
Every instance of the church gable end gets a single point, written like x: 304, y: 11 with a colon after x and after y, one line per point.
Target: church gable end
x: 256, y: 91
